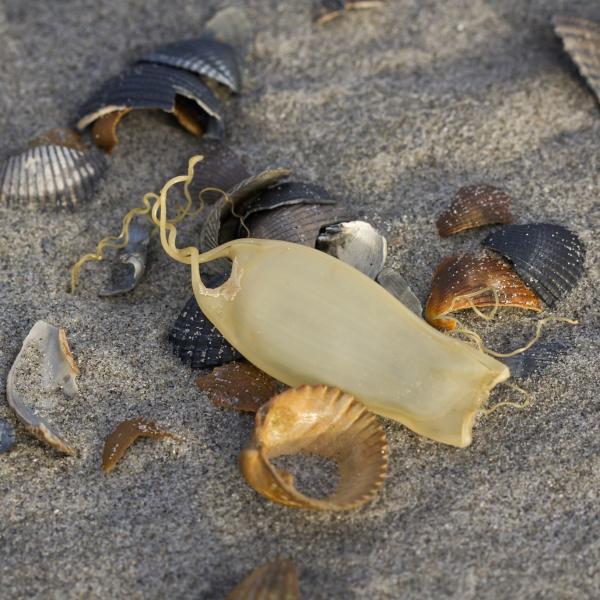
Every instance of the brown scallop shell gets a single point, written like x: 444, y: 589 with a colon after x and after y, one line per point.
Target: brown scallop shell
x: 276, y: 580
x: 317, y: 420
x: 465, y: 280
x: 239, y: 386
x: 475, y: 206
x: 125, y: 435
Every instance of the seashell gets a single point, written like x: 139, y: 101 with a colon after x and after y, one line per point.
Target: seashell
x: 52, y: 175
x: 196, y: 340
x: 357, y: 243
x: 549, y: 258
x: 467, y: 280
x: 581, y: 39
x: 125, y: 435
x: 204, y: 56
x: 7, y: 436
x: 238, y: 386
x: 104, y: 130
x: 276, y: 580
x: 475, y: 206
x: 396, y: 285
x: 327, y: 10
x: 130, y: 269
x: 317, y: 420
x: 231, y: 25
x: 535, y: 360
x: 151, y: 86
x: 58, y: 371
x: 60, y: 136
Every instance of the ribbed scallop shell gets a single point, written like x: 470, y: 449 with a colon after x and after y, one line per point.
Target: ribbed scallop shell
x: 475, y: 206
x: 151, y: 86
x: 535, y: 360
x: 204, y: 56
x: 51, y: 176
x: 326, y: 422
x: 581, y: 39
x: 549, y: 258
x: 276, y: 580
x: 464, y: 280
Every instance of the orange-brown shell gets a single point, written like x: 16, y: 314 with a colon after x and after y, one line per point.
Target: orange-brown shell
x: 60, y: 136
x: 475, y: 206
x: 238, y: 386
x: 465, y: 280
x: 317, y: 420
x: 276, y: 580
x: 104, y: 130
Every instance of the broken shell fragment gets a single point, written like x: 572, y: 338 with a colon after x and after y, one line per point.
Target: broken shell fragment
x: 317, y: 420
x: 357, y: 243
x: 535, y: 360
x: 104, y: 130
x: 581, y: 39
x: 475, y: 206
x: 238, y: 386
x: 59, y: 136
x: 327, y: 10
x: 396, y: 285
x: 549, y: 258
x: 276, y: 580
x: 131, y: 265
x: 151, y: 86
x: 475, y: 281
x: 7, y: 436
x: 125, y: 435
x: 203, y: 56
x: 50, y: 175
x: 58, y: 371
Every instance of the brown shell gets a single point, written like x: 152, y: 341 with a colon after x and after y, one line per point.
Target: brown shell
x: 125, y: 435
x: 276, y: 580
x: 60, y: 136
x: 239, y: 386
x: 465, y: 280
x: 317, y: 420
x: 475, y: 206
x: 104, y: 130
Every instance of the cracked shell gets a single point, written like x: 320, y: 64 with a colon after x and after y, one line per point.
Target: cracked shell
x: 535, y: 360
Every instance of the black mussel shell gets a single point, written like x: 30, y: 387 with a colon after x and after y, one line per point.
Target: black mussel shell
x: 536, y: 359
x: 51, y: 175
x: 152, y: 86
x: 549, y: 258
x: 131, y: 265
x: 203, y: 56
x: 396, y: 285
x: 196, y: 340
x: 7, y: 436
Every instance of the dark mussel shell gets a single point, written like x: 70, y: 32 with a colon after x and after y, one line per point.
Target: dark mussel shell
x: 581, y: 39
x: 475, y: 206
x: 276, y: 580
x: 54, y: 175
x: 151, y: 86
x: 548, y: 257
x: 396, y: 285
x: 7, y: 436
x: 535, y: 360
x: 131, y: 265
x: 196, y: 340
x: 203, y: 56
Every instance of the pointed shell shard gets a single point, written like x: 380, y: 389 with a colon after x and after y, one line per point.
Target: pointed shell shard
x: 396, y: 285
x: 326, y: 422
x: 58, y: 371
x: 475, y: 206
x: 276, y: 580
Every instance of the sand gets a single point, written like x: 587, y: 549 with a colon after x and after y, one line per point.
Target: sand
x: 393, y: 110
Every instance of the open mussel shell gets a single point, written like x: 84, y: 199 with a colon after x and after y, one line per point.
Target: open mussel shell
x: 57, y: 370
x: 581, y: 39
x: 468, y: 280
x: 7, y: 436
x: 152, y: 86
x: 239, y: 386
x: 326, y: 422
x: 357, y: 243
x: 276, y: 580
x: 196, y: 340
x: 204, y: 56
x: 535, y: 360
x: 125, y: 434
x: 396, y: 285
x: 130, y: 267
x: 52, y: 174
x: 549, y: 258
x: 475, y: 206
